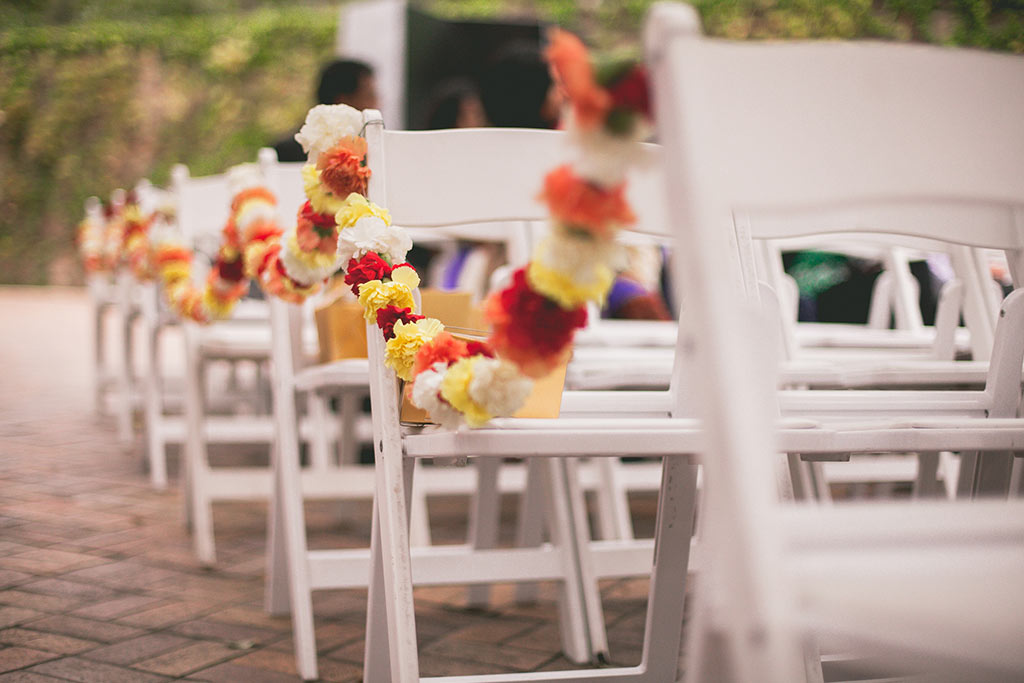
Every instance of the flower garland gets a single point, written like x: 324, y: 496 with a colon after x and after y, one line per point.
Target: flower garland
x: 90, y: 237
x: 533, y: 319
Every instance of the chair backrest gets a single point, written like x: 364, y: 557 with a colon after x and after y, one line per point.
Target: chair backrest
x: 284, y: 179
x: 773, y: 130
x: 483, y: 176
x: 202, y: 206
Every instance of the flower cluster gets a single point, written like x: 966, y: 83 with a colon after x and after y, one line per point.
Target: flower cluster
x: 608, y: 111
x: 90, y: 238
x: 534, y: 318
x: 247, y: 241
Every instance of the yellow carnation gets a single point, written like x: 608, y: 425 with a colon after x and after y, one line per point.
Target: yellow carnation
x: 375, y: 295
x: 407, y: 276
x: 177, y: 271
x: 322, y: 199
x: 455, y: 390
x: 357, y: 206
x: 564, y: 290
x: 219, y: 308
x: 400, y: 352
x: 252, y: 257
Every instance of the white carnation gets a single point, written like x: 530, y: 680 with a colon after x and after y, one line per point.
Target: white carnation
x: 498, y: 387
x: 244, y: 176
x: 325, y: 125
x: 255, y: 211
x: 426, y: 394
x: 577, y: 256
x: 604, y: 158
x: 372, y: 234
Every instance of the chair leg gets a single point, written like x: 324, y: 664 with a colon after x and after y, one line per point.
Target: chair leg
x: 798, y: 477
x: 275, y: 595
x: 99, y: 356
x: 667, y: 594
x: 124, y: 380
x: 351, y: 405
x: 419, y: 517
x: 926, y: 484
x: 819, y: 482
x: 393, y: 486
x: 484, y: 519
x: 530, y: 533
x: 992, y: 476
x: 613, y: 519
x: 319, y: 449
x: 196, y: 463
x: 288, y: 497
x: 572, y: 605
x: 156, y: 448
x: 585, y: 566
x: 376, y: 654
x: 965, y: 478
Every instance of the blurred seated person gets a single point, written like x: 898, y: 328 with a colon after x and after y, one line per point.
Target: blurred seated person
x: 456, y: 104
x: 343, y: 81
x: 636, y: 290
x: 517, y: 91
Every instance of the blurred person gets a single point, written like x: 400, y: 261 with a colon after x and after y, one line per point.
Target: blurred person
x: 636, y: 291
x: 343, y: 81
x: 517, y: 91
x: 456, y: 104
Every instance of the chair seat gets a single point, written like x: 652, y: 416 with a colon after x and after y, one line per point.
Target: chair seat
x: 909, y: 578
x: 597, y: 436
x: 350, y: 372
x: 244, y: 340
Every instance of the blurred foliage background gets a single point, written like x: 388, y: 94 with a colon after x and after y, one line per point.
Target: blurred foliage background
x: 96, y: 94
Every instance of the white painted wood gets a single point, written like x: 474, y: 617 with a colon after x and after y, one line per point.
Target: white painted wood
x: 765, y: 592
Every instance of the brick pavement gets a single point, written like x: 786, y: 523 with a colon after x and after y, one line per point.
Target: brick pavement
x: 97, y: 577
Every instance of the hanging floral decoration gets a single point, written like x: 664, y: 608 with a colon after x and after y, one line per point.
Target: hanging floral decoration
x: 534, y: 318
x: 337, y: 229
x: 90, y: 238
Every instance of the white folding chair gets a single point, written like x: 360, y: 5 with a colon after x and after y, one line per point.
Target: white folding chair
x: 202, y: 206
x: 102, y: 300
x: 928, y: 584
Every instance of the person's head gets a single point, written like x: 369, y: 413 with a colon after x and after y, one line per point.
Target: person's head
x: 348, y: 81
x: 517, y: 90
x: 456, y: 104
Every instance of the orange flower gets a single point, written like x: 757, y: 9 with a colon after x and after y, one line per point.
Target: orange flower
x: 252, y: 193
x: 570, y: 66
x: 576, y: 202
x: 341, y: 167
x: 444, y: 347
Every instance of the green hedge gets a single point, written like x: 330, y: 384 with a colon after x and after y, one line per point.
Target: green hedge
x: 90, y: 101
x: 92, y: 106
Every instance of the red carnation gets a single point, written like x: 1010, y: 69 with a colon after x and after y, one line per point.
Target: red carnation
x: 531, y: 330
x: 230, y: 270
x: 370, y: 267
x: 389, y: 315
x: 480, y: 348
x: 315, y: 231
x: 631, y: 92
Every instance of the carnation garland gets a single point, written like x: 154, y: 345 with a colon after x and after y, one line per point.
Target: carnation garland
x: 533, y: 319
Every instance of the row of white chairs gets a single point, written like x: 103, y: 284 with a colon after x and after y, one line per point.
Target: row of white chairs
x: 734, y: 394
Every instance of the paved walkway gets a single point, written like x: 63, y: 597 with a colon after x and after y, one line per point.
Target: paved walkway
x: 97, y: 577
